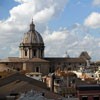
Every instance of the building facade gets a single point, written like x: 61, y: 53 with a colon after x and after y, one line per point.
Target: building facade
x: 88, y: 92
x: 31, y: 58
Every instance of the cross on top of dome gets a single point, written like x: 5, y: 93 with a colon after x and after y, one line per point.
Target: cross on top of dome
x: 32, y: 36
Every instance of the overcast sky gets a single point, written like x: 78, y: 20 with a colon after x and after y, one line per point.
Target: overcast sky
x: 67, y: 26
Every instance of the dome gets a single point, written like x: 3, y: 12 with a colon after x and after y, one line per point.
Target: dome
x: 32, y: 36
x: 32, y: 45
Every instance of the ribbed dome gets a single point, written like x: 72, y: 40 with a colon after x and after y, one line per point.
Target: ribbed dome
x: 32, y: 36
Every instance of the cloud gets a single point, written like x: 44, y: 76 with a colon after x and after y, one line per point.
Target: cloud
x: 14, y: 50
x: 96, y: 2
x: 13, y: 28
x: 93, y: 20
x: 72, y: 40
x: 22, y: 1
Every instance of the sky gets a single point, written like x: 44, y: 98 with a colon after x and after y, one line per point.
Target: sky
x: 68, y: 27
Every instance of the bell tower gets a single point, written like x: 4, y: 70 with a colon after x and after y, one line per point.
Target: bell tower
x: 32, y: 45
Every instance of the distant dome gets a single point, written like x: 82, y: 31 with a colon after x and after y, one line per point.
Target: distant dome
x: 32, y: 36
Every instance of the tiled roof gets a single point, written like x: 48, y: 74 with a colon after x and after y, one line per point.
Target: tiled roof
x: 88, y: 87
x: 16, y: 59
x: 69, y: 60
x: 19, y: 83
x: 21, y: 77
x: 48, y: 59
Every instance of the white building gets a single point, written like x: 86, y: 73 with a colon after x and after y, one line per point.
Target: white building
x: 35, y: 75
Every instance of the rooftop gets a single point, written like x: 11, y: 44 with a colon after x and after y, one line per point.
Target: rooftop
x: 88, y: 87
x: 17, y: 59
x: 18, y: 83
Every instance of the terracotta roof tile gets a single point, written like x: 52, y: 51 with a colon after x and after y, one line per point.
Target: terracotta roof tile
x: 16, y: 59
x: 69, y: 60
x: 20, y: 84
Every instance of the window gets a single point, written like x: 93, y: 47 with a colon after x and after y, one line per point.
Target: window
x: 0, y: 76
x: 92, y: 75
x: 37, y: 75
x: 18, y: 69
x: 84, y: 98
x: 57, y: 81
x: 96, y: 98
x: 37, y: 69
x: 59, y: 63
x: 31, y: 75
x: 26, y: 49
x: 69, y: 68
x: 73, y: 80
x: 25, y: 53
x: 50, y: 70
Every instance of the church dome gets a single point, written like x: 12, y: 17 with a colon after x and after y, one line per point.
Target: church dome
x: 32, y: 36
x: 32, y: 45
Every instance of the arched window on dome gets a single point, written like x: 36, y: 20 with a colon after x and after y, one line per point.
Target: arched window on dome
x: 34, y: 53
x: 25, y: 53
